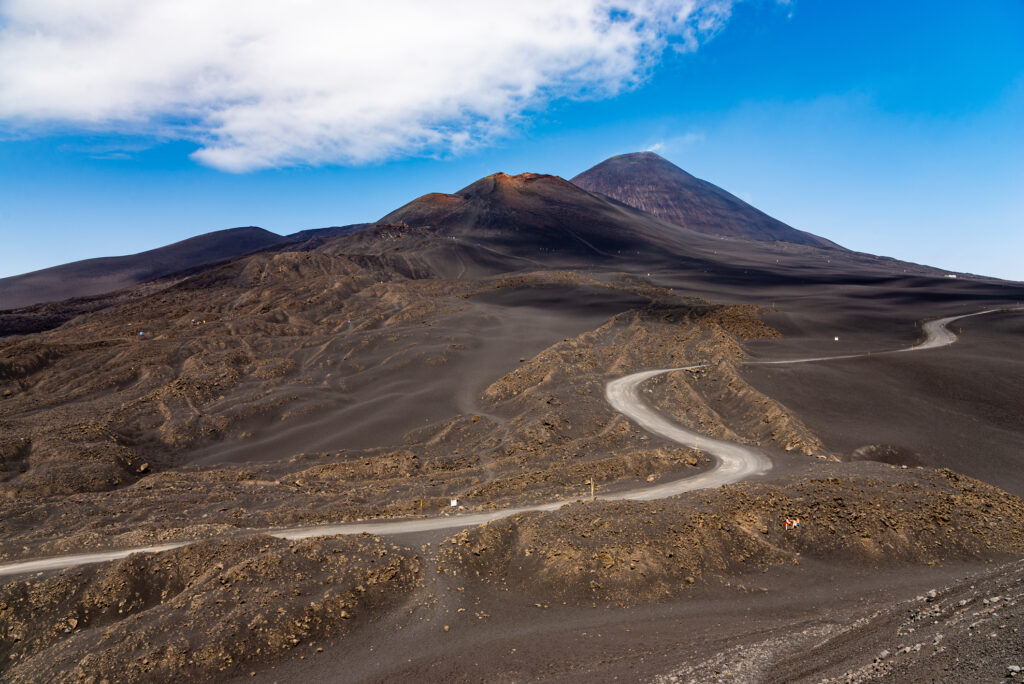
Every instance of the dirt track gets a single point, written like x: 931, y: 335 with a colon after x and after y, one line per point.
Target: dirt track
x: 733, y: 463
x: 373, y: 377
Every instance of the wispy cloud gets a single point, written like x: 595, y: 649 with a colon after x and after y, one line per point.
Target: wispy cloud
x: 107, y: 149
x: 261, y: 83
x: 675, y: 143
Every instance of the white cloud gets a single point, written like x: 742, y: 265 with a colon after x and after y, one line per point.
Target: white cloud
x: 675, y: 143
x: 264, y: 83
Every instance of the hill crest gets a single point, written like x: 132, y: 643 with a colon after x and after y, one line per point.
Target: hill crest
x: 651, y: 183
x: 106, y: 274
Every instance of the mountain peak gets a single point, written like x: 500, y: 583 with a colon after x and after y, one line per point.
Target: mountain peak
x: 504, y: 183
x: 647, y: 157
x: 651, y: 183
x: 646, y: 154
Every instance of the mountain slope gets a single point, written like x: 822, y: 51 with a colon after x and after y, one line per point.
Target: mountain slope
x: 327, y: 233
x: 649, y: 182
x: 105, y: 274
x: 531, y: 221
x: 462, y: 350
x: 502, y: 223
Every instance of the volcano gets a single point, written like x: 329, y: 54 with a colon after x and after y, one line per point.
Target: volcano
x: 651, y: 183
x: 285, y: 445
x: 504, y: 223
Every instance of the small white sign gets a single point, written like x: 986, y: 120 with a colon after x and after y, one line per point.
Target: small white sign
x: 455, y: 502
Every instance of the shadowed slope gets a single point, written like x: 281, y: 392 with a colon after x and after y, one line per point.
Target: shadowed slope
x: 649, y: 182
x: 533, y: 220
x: 327, y: 233
x: 106, y: 274
x: 505, y: 223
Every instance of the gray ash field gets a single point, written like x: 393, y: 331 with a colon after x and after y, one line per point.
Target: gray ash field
x: 459, y: 349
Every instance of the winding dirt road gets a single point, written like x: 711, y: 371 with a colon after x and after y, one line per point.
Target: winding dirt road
x: 732, y: 463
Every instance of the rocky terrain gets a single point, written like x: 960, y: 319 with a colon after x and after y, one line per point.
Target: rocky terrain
x: 460, y: 349
x: 223, y: 607
x: 198, y: 612
x: 649, y: 551
x: 540, y: 432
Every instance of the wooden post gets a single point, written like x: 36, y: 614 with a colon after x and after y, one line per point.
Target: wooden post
x: 591, y: 487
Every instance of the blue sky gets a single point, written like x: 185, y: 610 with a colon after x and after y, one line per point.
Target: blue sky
x: 892, y: 128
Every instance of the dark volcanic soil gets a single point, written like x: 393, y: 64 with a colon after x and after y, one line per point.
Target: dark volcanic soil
x: 460, y: 349
x: 211, y: 609
x: 689, y: 588
x: 919, y: 409
x: 712, y: 587
x: 380, y: 408
x: 646, y: 181
x: 640, y: 551
x: 98, y: 276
